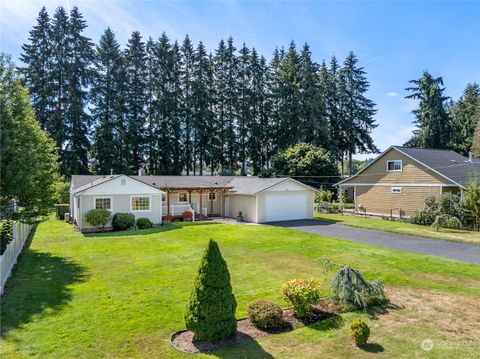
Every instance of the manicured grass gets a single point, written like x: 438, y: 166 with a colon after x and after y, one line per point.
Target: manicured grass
x: 122, y: 295
x: 400, y: 227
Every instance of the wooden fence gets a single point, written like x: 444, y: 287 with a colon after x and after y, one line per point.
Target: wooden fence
x: 9, y: 258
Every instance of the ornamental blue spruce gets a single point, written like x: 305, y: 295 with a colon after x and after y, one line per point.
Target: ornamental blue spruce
x: 210, y: 313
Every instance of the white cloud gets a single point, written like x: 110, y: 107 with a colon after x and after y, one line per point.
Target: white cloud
x: 392, y: 94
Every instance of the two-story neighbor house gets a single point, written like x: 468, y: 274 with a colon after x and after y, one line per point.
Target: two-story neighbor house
x: 398, y: 180
x: 259, y: 200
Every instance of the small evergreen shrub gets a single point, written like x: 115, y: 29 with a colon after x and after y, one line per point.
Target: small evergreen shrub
x: 144, y: 223
x: 360, y: 332
x: 265, y: 314
x: 98, y: 218
x: 301, y: 294
x: 123, y: 221
x: 449, y: 203
x: 446, y: 221
x: 6, y: 235
x: 210, y: 313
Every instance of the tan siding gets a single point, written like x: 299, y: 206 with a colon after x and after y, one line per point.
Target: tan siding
x: 217, y: 203
x: 380, y: 199
x: 244, y: 203
x: 412, y: 173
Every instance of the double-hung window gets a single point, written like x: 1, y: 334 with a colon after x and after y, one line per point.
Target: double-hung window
x: 182, y: 197
x: 394, y: 165
x: 211, y: 196
x: 103, y: 203
x: 140, y: 203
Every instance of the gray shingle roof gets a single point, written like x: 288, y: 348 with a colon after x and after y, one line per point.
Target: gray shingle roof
x: 248, y: 185
x: 448, y: 163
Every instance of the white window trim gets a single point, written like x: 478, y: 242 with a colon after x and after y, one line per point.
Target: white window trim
x: 396, y: 190
x: 186, y: 201
x: 102, y: 197
x: 141, y: 210
x: 394, y: 170
x: 214, y: 194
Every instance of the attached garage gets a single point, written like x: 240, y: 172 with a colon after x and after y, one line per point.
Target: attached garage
x: 281, y: 206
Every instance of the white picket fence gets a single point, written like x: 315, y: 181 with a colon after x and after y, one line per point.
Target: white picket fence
x: 9, y: 258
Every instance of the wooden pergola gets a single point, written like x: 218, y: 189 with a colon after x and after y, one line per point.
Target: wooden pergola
x: 222, y: 190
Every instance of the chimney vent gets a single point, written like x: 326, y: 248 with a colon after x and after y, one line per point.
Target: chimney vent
x: 470, y: 157
x: 141, y: 171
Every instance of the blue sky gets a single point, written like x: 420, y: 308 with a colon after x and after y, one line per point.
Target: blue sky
x: 395, y: 41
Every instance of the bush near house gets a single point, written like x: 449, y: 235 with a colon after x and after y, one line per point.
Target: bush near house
x: 144, y: 223
x: 446, y: 221
x: 187, y: 216
x: 6, y: 235
x: 123, y: 221
x: 265, y: 314
x: 98, y: 218
x: 210, y: 313
x: 301, y: 294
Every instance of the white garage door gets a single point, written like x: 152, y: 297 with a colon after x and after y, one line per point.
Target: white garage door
x: 285, y: 206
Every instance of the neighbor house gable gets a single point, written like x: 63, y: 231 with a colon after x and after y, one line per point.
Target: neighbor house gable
x: 412, y: 172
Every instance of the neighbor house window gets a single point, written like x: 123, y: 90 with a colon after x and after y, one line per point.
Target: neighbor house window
x: 396, y: 189
x: 211, y: 196
x: 395, y: 165
x: 140, y: 203
x: 103, y: 203
x: 182, y: 197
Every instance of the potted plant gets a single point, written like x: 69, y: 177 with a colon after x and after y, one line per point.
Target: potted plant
x: 168, y: 219
x: 187, y: 216
x: 240, y: 216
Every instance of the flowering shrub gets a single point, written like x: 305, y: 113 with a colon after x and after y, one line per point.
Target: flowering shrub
x: 187, y: 215
x: 168, y: 218
x: 301, y: 294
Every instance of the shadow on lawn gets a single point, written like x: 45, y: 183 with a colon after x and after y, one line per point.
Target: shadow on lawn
x: 39, y: 284
x: 142, y: 232
x: 248, y: 350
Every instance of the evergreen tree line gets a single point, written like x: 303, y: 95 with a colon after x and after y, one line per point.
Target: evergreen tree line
x: 442, y: 122
x: 175, y: 108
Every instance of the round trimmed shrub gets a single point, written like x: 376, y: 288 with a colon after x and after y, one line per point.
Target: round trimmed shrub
x: 123, y: 221
x: 301, y: 294
x: 98, y: 218
x: 265, y: 314
x: 360, y: 332
x: 144, y: 223
x: 210, y: 314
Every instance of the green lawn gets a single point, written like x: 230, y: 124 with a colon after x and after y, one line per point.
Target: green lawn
x: 400, y: 227
x: 122, y: 295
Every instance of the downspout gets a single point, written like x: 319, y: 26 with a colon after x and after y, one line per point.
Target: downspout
x: 256, y: 208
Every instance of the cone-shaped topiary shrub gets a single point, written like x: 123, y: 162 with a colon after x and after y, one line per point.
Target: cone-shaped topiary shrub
x: 210, y: 313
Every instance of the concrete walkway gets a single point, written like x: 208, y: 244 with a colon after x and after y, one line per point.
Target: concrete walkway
x: 463, y: 252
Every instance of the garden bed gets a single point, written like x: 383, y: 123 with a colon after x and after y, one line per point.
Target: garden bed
x: 246, y: 331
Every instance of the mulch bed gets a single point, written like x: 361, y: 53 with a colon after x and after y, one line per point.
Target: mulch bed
x: 246, y: 331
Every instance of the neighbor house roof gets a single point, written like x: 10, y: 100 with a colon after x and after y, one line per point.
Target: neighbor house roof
x: 248, y: 185
x: 447, y: 163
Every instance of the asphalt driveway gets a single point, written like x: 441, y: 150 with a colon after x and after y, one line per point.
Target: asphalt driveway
x: 463, y: 252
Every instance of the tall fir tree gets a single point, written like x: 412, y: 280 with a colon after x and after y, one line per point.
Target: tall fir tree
x: 187, y: 105
x: 244, y: 106
x: 333, y: 109
x: 433, y: 122
x: 176, y: 110
x: 464, y: 118
x: 135, y: 99
x: 231, y: 108
x: 357, y: 110
x: 106, y: 98
x: 58, y: 79
x: 202, y: 107
x: 37, y: 55
x: 80, y: 56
